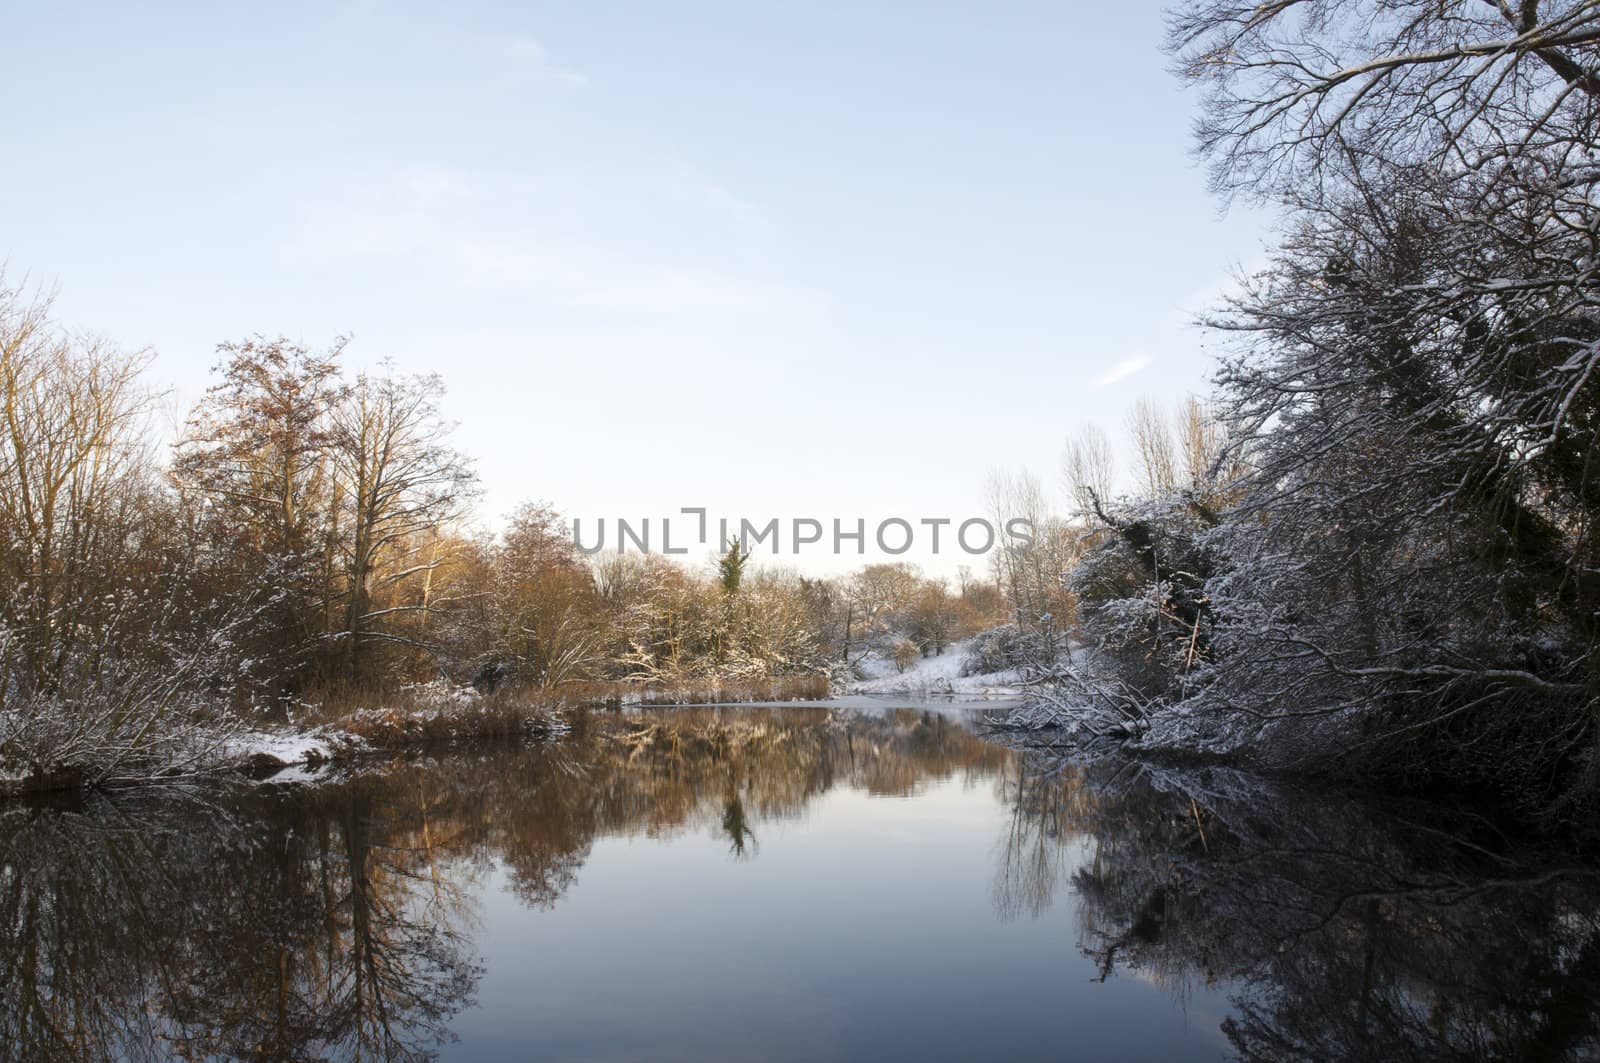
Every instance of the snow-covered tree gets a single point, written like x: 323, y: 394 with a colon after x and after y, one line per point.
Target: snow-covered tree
x: 1403, y: 574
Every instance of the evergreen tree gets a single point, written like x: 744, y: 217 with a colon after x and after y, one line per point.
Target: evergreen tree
x: 731, y: 568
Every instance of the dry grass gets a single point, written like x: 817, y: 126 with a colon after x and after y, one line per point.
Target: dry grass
x: 424, y: 713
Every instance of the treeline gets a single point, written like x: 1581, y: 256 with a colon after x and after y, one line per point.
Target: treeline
x: 308, y: 540
x: 537, y: 611
x: 1376, y: 549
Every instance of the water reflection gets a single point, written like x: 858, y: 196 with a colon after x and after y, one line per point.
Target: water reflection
x: 199, y: 925
x: 345, y: 920
x: 1345, y: 929
x: 300, y: 922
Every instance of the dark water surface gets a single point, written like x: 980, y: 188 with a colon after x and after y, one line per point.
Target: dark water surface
x: 798, y: 883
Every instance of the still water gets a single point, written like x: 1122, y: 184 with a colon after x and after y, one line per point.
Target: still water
x: 782, y: 883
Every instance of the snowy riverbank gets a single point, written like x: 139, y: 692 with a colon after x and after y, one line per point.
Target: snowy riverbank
x: 413, y: 716
x: 935, y: 677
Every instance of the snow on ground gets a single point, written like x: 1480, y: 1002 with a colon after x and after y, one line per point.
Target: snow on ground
x: 934, y: 677
x: 283, y: 748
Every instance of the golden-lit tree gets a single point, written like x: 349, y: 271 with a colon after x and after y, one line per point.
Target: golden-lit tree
x: 399, y: 483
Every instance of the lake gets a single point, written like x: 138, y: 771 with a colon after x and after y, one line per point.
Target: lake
x: 783, y: 883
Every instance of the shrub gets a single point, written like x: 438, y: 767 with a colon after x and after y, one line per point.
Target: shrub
x: 1006, y: 648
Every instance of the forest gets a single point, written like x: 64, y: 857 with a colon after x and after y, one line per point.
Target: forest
x: 1369, y: 550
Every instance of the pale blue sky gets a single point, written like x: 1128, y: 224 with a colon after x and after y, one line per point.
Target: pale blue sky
x: 829, y: 260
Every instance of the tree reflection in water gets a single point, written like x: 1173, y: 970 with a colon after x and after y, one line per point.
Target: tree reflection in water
x: 298, y: 922
x: 293, y: 925
x: 336, y: 921
x: 1347, y: 930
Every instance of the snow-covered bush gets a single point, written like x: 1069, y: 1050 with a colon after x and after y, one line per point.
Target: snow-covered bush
x: 1008, y: 647
x: 140, y: 694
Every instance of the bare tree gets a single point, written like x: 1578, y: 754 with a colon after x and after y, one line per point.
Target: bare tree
x: 399, y: 481
x: 547, y: 608
x: 73, y: 476
x: 256, y: 459
x: 1151, y: 432
x: 103, y: 649
x: 1088, y: 468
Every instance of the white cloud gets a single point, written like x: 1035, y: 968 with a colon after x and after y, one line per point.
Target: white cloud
x: 531, y: 57
x: 586, y: 275
x: 1122, y: 370
x: 561, y: 238
x: 697, y: 191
